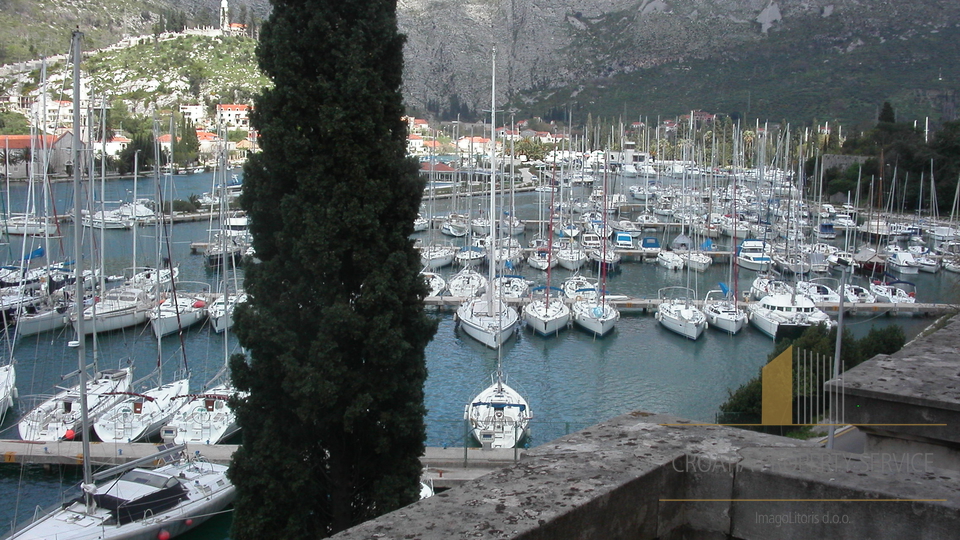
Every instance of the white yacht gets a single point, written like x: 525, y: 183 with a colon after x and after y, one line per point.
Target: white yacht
x: 596, y: 315
x: 437, y: 256
x: 176, y: 312
x: 141, y: 415
x: 888, y: 292
x: 488, y: 320
x: 498, y: 416
x: 220, y: 311
x: 467, y: 283
x: 8, y: 388
x: 140, y: 504
x: 59, y: 417
x: 818, y: 292
x: 781, y: 312
x: 696, y: 260
x: 669, y: 260
x: 546, y: 314
x: 436, y: 285
x: 677, y: 313
x: 118, y: 308
x: 205, y: 418
x: 723, y: 312
x: 754, y: 255
x: 903, y: 262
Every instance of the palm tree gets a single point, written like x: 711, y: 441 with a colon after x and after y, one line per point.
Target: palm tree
x: 13, y: 157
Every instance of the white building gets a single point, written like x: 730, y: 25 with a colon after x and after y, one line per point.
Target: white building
x: 233, y: 115
x: 194, y: 113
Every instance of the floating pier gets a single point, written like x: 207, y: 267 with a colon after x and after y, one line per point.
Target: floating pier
x: 644, y: 305
x: 443, y: 467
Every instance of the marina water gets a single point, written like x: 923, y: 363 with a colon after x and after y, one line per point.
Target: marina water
x: 571, y: 380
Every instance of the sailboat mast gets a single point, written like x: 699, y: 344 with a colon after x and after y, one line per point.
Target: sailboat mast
x: 77, y: 267
x: 493, y: 185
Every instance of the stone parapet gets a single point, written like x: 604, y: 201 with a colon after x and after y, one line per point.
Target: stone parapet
x: 908, y: 401
x: 645, y: 476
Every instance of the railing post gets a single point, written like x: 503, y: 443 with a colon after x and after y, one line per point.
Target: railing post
x: 466, y: 435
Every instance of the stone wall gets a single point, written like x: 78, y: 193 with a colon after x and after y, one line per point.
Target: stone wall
x: 644, y: 476
x: 842, y: 161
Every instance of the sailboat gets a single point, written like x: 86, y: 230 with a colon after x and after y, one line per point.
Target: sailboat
x: 436, y: 285
x: 543, y: 314
x: 181, y: 308
x: 138, y: 503
x: 141, y: 414
x: 677, y: 313
x: 720, y: 307
x: 130, y: 303
x: 722, y: 312
x: 206, y: 417
x: 498, y: 416
x: 488, y: 319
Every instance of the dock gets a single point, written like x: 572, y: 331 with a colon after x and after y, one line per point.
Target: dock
x: 645, y: 305
x: 443, y: 467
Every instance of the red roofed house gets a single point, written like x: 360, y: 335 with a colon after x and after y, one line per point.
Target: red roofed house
x: 113, y: 145
x: 439, y: 170
x: 414, y: 144
x: 417, y: 125
x: 209, y: 142
x: 477, y: 145
x: 233, y: 115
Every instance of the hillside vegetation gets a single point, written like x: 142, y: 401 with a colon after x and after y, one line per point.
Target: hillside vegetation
x: 158, y: 75
x: 795, y: 76
x: 795, y: 60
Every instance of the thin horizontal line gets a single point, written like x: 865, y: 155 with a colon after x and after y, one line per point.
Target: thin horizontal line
x: 824, y: 425
x: 802, y: 500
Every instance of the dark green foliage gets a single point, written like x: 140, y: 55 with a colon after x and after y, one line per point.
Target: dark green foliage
x: 142, y: 142
x: 237, y: 135
x: 533, y: 149
x: 180, y: 206
x: 746, y: 401
x: 881, y: 341
x: 12, y: 123
x: 335, y: 329
x: 886, y: 114
x: 187, y: 146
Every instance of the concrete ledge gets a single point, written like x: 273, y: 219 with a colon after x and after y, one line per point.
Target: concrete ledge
x: 643, y: 476
x: 910, y: 400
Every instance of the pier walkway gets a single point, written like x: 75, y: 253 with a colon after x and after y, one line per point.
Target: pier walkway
x: 643, y: 305
x: 443, y: 467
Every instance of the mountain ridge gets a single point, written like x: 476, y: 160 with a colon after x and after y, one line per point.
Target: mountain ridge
x: 624, y: 57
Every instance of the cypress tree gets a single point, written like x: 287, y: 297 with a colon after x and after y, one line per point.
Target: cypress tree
x: 334, y: 328
x: 886, y: 114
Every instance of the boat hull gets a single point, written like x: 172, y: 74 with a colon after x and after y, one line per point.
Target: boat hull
x: 598, y: 319
x: 544, y: 319
x: 686, y: 327
x: 731, y: 323
x: 493, y: 329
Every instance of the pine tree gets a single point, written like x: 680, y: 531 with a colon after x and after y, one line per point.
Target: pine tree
x: 335, y: 329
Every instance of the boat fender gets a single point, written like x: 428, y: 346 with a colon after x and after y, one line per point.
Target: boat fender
x: 199, y: 304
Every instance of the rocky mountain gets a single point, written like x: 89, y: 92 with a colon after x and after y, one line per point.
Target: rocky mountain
x: 770, y: 59
x: 611, y: 53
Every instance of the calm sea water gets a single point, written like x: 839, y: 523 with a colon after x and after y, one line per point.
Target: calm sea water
x: 571, y: 380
